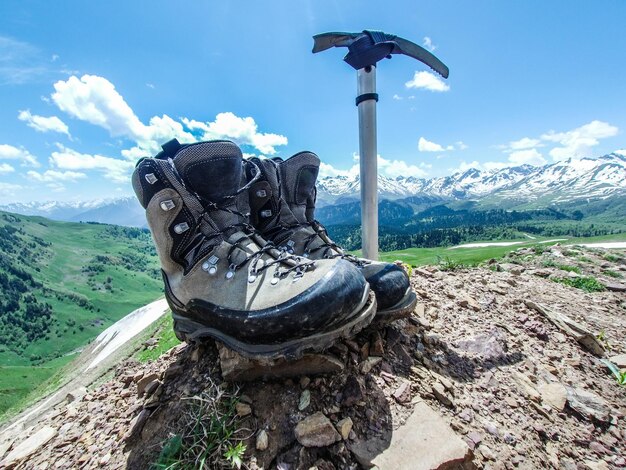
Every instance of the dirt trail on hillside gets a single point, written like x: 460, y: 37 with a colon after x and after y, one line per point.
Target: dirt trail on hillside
x: 515, y: 388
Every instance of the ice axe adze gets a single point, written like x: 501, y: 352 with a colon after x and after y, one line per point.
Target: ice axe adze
x: 365, y: 49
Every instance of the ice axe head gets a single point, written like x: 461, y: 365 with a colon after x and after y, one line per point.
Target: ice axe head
x: 369, y: 47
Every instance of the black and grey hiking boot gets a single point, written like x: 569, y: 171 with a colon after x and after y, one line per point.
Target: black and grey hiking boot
x: 283, y: 207
x: 222, y: 279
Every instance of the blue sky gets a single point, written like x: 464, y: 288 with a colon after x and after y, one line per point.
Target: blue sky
x: 87, y: 87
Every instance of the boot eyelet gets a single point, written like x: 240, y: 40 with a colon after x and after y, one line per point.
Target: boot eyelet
x: 150, y: 178
x: 274, y: 281
x: 181, y: 228
x: 261, y: 193
x: 251, y: 278
x: 265, y: 214
x: 231, y: 271
x: 167, y: 205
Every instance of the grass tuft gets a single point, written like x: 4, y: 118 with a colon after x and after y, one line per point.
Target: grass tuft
x: 586, y: 283
x: 211, y: 436
x: 448, y: 264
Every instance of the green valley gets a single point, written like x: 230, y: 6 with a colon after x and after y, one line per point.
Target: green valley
x: 61, y: 284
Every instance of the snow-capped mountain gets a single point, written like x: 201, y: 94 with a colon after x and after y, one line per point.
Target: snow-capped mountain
x: 119, y: 211
x: 566, y: 180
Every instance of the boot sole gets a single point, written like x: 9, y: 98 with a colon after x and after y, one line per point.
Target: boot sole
x: 404, y: 308
x: 192, y: 332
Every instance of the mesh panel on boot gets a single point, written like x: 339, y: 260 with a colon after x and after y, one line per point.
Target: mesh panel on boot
x: 214, y: 172
x: 298, y: 177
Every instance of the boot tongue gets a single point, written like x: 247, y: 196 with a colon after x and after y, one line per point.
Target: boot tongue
x: 298, y: 177
x: 214, y: 171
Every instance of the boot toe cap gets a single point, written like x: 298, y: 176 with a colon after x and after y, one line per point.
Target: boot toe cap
x: 388, y: 281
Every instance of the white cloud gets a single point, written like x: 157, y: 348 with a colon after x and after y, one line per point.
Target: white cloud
x: 6, y: 168
x: 54, y: 57
x: 578, y: 142
x: 50, y: 176
x: 524, y: 143
x: 150, y: 85
x: 464, y: 166
x: 95, y: 100
x: 527, y: 157
x: 621, y: 152
x: 112, y: 168
x: 241, y: 130
x: 397, y: 97
x: 389, y: 168
x: 56, y: 187
x: 43, y: 124
x: 9, y: 152
x: 461, y: 145
x: 424, y: 145
x: 428, y: 44
x: 427, y: 80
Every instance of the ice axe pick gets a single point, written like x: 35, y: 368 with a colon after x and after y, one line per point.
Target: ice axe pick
x: 365, y: 50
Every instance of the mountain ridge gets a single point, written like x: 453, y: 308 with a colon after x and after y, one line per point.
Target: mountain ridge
x: 564, y: 181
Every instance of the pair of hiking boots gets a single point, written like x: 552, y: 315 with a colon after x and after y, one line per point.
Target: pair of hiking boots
x: 243, y: 259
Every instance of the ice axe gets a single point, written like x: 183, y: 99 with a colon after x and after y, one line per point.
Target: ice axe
x: 365, y: 50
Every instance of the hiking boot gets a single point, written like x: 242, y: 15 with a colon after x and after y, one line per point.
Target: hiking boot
x: 282, y: 209
x: 222, y: 279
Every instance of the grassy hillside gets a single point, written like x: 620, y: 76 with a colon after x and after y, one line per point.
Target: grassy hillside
x: 61, y: 284
x: 473, y: 256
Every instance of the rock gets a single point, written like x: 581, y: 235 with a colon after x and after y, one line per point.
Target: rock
x: 305, y: 400
x: 368, y: 365
x: 344, y: 427
x: 588, y: 404
x: 490, y: 346
x: 599, y: 465
x: 553, y: 394
x: 172, y: 371
x: 29, y: 446
x: 615, y: 286
x: 403, y: 393
x: 304, y: 382
x: 76, y: 394
x: 144, y: 381
x: 424, y: 442
x: 236, y: 368
x: 316, y: 431
x: 352, y: 392
x: 243, y: 409
x: 619, y: 360
x: 151, y: 387
x: 487, y: 453
x: 262, y: 440
x: 526, y: 386
x: 440, y: 393
x: 376, y: 345
x: 136, y: 425
x: 469, y: 302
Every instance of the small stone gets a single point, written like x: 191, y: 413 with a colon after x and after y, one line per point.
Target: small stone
x: 526, y: 385
x: 76, y: 394
x: 105, y: 459
x: 364, y: 351
x: 172, y: 371
x: 262, y: 440
x: 487, y: 453
x: 553, y: 394
x: 440, y: 393
x: 305, y: 400
x: 352, y: 392
x: 144, y: 381
x: 403, y: 393
x: 316, y: 431
x: 469, y: 302
x: 151, y: 387
x: 369, y: 364
x: 376, y: 345
x: 344, y: 427
x: 304, y: 382
x: 588, y: 404
x: 243, y: 409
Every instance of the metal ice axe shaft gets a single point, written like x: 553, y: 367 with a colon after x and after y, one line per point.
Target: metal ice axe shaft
x: 365, y: 49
